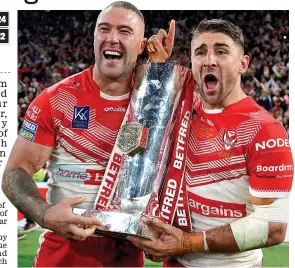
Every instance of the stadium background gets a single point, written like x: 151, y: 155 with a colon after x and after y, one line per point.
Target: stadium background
x: 55, y: 44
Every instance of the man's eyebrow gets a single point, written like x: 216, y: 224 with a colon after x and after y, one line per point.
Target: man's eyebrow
x: 126, y: 26
x: 202, y: 46
x: 119, y: 27
x: 221, y: 45
x: 103, y: 24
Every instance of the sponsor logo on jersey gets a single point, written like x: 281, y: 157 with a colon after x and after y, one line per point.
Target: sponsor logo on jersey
x: 74, y: 173
x: 28, y: 130
x: 229, y: 139
x: 30, y: 125
x: 208, y: 121
x: 274, y: 168
x: 266, y: 176
x: 272, y: 143
x: 81, y: 117
x: 214, y: 208
x: 71, y: 175
x: 115, y: 109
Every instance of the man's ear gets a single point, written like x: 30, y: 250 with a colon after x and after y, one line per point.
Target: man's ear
x: 142, y: 46
x: 244, y: 63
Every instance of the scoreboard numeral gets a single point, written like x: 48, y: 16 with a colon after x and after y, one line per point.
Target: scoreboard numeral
x: 2, y: 19
x: 4, y: 27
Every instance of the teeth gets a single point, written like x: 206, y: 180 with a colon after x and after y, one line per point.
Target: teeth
x: 112, y: 53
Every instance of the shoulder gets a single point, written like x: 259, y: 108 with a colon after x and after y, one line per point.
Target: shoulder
x: 266, y: 126
x: 269, y: 126
x: 71, y: 84
x: 265, y: 117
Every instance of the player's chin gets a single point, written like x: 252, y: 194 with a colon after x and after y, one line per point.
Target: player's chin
x: 111, y: 63
x: 112, y: 73
x: 211, y: 99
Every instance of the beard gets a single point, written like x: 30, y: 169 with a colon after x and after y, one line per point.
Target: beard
x: 212, y: 98
x: 223, y: 90
x: 116, y: 72
x: 110, y: 72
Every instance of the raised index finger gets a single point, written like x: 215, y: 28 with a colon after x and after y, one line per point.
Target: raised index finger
x: 171, y: 33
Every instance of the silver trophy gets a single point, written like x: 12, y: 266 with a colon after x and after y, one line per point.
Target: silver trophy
x: 144, y: 141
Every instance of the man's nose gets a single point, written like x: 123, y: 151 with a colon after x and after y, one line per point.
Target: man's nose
x: 210, y: 60
x: 112, y: 37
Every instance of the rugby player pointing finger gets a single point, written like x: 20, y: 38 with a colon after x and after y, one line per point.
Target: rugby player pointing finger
x: 74, y: 125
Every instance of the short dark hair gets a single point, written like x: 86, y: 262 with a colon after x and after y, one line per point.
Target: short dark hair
x: 220, y: 26
x: 126, y: 5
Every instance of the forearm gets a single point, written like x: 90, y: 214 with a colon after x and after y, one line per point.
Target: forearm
x: 277, y: 233
x: 222, y: 240
x: 23, y: 193
x: 219, y: 239
x: 265, y: 227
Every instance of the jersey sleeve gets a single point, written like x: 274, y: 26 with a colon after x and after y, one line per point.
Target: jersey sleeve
x: 38, y: 125
x: 270, y: 163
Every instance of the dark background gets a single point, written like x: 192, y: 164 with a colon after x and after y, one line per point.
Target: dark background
x: 55, y: 44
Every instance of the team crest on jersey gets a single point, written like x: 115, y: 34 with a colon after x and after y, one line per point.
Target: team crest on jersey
x: 229, y: 139
x: 81, y: 117
x: 33, y: 112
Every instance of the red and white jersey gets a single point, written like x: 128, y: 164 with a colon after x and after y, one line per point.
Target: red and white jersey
x: 233, y: 152
x: 82, y: 124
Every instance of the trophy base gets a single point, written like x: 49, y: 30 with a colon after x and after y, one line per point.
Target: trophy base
x: 118, y: 224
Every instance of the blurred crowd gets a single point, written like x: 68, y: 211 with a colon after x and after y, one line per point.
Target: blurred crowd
x: 55, y: 44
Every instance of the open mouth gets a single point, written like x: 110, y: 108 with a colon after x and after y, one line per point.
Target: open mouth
x: 112, y: 55
x: 210, y: 81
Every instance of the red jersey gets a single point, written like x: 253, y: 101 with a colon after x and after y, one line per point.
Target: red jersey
x: 233, y: 152
x: 82, y: 124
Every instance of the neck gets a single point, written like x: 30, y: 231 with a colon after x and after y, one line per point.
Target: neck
x: 112, y: 87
